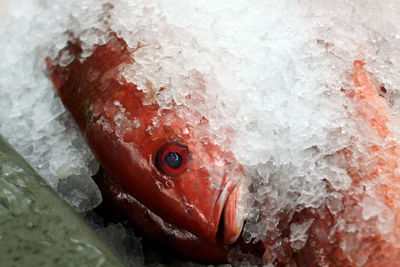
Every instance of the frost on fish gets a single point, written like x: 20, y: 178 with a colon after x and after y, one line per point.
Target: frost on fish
x: 269, y: 77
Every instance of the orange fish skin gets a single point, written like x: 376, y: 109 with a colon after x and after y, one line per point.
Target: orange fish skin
x: 120, y: 130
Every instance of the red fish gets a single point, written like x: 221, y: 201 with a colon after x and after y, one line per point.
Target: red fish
x: 180, y: 187
x: 155, y: 158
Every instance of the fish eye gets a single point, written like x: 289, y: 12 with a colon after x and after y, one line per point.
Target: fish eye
x: 172, y: 158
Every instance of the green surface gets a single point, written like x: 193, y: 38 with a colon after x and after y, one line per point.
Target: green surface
x: 37, y: 228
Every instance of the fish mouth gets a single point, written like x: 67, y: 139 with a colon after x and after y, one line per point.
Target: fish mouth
x: 118, y: 201
x: 234, y: 214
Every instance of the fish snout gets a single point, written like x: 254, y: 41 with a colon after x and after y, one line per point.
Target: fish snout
x: 229, y: 211
x: 217, y: 214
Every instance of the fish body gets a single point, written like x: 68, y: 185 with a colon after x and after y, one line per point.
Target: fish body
x: 152, y: 153
x: 362, y: 228
x: 375, y: 181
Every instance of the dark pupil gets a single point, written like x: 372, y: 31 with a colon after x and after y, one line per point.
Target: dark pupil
x: 174, y: 160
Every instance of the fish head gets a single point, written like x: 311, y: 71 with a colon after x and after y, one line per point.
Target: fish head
x: 160, y: 156
x: 176, y: 170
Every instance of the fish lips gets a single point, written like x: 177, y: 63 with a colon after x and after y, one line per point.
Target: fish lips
x: 227, y: 216
x: 223, y: 224
x: 234, y: 213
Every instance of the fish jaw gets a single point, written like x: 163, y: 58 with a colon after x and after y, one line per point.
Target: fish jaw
x: 117, y: 199
x: 95, y: 94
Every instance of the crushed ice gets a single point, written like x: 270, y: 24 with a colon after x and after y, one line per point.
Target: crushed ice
x: 265, y: 74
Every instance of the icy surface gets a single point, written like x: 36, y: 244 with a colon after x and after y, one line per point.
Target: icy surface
x: 298, y: 234
x: 80, y: 192
x: 267, y: 76
x: 32, y: 118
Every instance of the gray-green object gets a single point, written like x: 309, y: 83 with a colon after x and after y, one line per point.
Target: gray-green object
x: 37, y: 228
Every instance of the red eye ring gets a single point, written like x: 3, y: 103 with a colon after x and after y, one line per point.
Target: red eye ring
x: 173, y: 158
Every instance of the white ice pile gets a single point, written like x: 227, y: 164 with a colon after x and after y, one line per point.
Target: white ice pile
x: 32, y: 117
x: 266, y: 74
